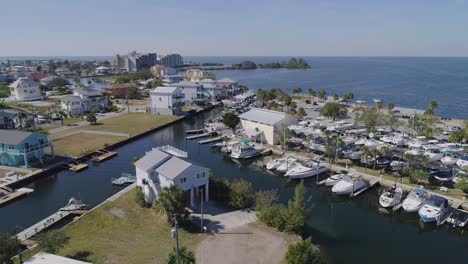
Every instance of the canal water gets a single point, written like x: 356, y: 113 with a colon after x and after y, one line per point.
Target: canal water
x: 348, y: 230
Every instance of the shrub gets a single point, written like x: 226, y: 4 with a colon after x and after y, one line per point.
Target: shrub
x: 140, y: 197
x: 219, y: 189
x: 9, y: 246
x: 52, y: 241
x: 462, y: 185
x: 265, y: 198
x: 307, y: 101
x: 303, y: 252
x: 241, y: 194
x: 186, y: 256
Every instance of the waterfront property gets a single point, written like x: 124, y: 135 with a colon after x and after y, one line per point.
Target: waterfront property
x: 122, y: 91
x: 266, y: 125
x: 166, y: 166
x: 8, y: 118
x: 191, y: 91
x: 25, y: 89
x: 83, y: 100
x: 212, y: 90
x: 166, y: 100
x: 20, y: 148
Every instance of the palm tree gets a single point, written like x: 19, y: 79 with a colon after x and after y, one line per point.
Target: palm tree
x: 185, y: 256
x: 321, y: 94
x: 62, y: 115
x: 431, y: 107
x: 301, y: 112
x: 311, y: 93
x: 378, y: 105
x: 171, y: 201
x: 366, y: 151
x: 335, y: 97
x: 390, y: 106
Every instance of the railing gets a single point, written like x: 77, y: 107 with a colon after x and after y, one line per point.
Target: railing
x: 25, y: 150
x: 172, y: 150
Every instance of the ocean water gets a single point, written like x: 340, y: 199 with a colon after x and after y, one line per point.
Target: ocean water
x: 406, y: 81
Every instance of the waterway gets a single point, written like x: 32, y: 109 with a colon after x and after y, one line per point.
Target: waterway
x: 348, y: 230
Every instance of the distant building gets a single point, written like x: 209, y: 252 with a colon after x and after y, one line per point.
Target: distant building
x: 171, y: 60
x: 266, y: 125
x: 122, y: 90
x: 166, y: 100
x: 47, y: 80
x: 83, y: 100
x: 227, y: 83
x: 20, y: 148
x: 37, y: 76
x: 166, y: 166
x: 7, y: 78
x: 196, y: 75
x: 134, y: 61
x: 25, y: 89
x: 102, y: 70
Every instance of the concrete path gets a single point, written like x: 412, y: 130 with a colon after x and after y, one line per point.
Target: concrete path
x: 85, y: 123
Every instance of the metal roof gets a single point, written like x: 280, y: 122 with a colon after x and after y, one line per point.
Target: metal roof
x: 263, y: 116
x: 164, y: 89
x: 174, y: 167
x: 70, y: 98
x: 23, y: 82
x: 151, y: 158
x: 45, y: 258
x: 13, y: 136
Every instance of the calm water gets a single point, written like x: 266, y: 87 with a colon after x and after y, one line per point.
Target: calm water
x: 407, y: 82
x: 349, y: 230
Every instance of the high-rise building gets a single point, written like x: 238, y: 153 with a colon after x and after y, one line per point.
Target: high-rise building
x: 171, y: 60
x: 134, y: 61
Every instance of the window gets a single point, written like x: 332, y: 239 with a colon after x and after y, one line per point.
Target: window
x: 198, y: 175
x: 204, y: 174
x: 159, y: 99
x: 11, y: 147
x: 183, y: 180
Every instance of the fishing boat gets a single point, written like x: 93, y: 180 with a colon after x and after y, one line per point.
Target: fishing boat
x: 463, y: 162
x: 334, y: 179
x: 391, y: 197
x: 300, y: 171
x: 435, y: 207
x: 348, y: 184
x: 244, y: 151
x: 458, y: 218
x: 415, y: 200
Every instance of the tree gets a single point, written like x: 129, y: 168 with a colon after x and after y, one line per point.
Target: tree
x: 335, y: 97
x: 333, y: 111
x: 392, y: 121
x: 458, y: 136
x: 265, y: 199
x: 390, y: 106
x: 298, y: 202
x: 57, y: 82
x: 462, y: 184
x: 242, y: 194
x: 171, y: 200
x: 287, y: 100
x: 62, y: 115
x: 91, y: 118
x: 321, y: 94
x: 293, y: 105
x: 9, y: 246
x: 370, y: 118
x: 378, y: 105
x: 301, y: 112
x: 231, y: 120
x: 52, y: 241
x: 303, y: 252
x: 431, y: 107
x: 296, y: 90
x: 185, y: 256
x: 311, y: 93
x: 349, y: 96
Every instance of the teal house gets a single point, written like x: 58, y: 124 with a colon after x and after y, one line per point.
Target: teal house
x: 21, y: 148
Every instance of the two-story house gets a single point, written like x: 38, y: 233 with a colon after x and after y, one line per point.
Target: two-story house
x: 83, y: 100
x: 166, y: 100
x: 25, y: 89
x: 191, y: 91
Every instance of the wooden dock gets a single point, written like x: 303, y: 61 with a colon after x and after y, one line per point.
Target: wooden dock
x: 14, y: 195
x: 76, y: 166
x: 371, y: 184
x: 103, y: 154
x: 215, y: 139
x: 42, y: 225
x: 195, y: 131
x: 207, y: 134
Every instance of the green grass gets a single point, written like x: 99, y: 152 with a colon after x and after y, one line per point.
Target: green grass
x: 30, y: 107
x: 83, y: 143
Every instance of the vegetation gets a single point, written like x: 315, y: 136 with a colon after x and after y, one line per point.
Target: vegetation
x: 370, y: 118
x: 52, y: 241
x: 171, y: 201
x: 219, y: 189
x: 301, y: 112
x: 424, y: 125
x: 4, y: 91
x: 334, y: 111
x: 292, y: 63
x: 133, y: 76
x: 462, y: 184
x: 264, y: 199
x: 245, y: 65
x: 321, y: 95
x: 91, y: 118
x: 231, y: 120
x: 185, y: 256
x: 241, y: 194
x: 57, y: 82
x: 431, y: 107
x: 140, y: 197
x: 303, y: 252
x: 9, y: 247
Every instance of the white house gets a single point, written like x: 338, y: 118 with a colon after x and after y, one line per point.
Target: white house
x: 266, y: 125
x: 71, y: 104
x: 191, y: 91
x: 211, y: 89
x: 83, y: 100
x: 25, y: 89
x: 165, y: 166
x: 166, y: 100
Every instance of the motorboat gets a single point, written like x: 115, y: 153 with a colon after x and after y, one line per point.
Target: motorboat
x: 449, y: 159
x: 391, y: 197
x: 244, y: 151
x: 457, y: 217
x: 463, y: 162
x: 444, y: 176
x: 367, y: 161
x: 334, y: 179
x: 435, y: 208
x: 397, y: 165
x: 415, y: 200
x: 356, y: 155
x: 287, y: 166
x: 415, y: 151
x: 418, y: 142
x: 300, y: 171
x: 348, y: 184
x: 274, y: 164
x: 433, y: 154
x: 383, y: 162
x: 360, y: 142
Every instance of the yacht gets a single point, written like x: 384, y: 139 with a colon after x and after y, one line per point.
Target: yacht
x: 301, y: 171
x: 356, y: 155
x: 435, y: 208
x: 274, y: 164
x: 433, y: 154
x: 463, y: 162
x: 391, y: 197
x: 347, y: 185
x: 449, y: 159
x: 244, y: 151
x: 415, y: 151
x: 334, y: 179
x: 415, y: 200
x: 287, y: 166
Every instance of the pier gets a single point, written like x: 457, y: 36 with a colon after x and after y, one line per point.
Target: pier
x: 76, y: 166
x: 195, y: 131
x: 207, y: 134
x: 103, y: 154
x: 11, y: 195
x: 211, y: 140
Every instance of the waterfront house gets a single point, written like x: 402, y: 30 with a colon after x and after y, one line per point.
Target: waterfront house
x: 20, y: 148
x: 191, y: 91
x: 165, y: 166
x: 103, y: 70
x: 212, y: 90
x: 83, y: 100
x: 25, y: 89
x: 122, y: 90
x: 36, y: 76
x: 47, y: 80
x: 266, y: 125
x: 166, y: 100
x: 227, y: 83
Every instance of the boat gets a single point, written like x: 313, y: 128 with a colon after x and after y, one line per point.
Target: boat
x: 435, y: 208
x: 348, y: 184
x: 391, y: 197
x: 244, y: 151
x: 444, y: 176
x: 433, y: 154
x: 274, y: 164
x: 383, y: 162
x: 457, y: 217
x: 287, y: 166
x: 463, y: 162
x: 124, y: 179
x: 418, y: 142
x: 397, y: 165
x: 334, y: 179
x: 415, y: 200
x: 368, y: 162
x: 300, y: 171
x: 355, y: 155
x: 414, y: 151
x: 449, y: 159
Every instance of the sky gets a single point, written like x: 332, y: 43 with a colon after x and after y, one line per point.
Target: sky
x: 235, y: 27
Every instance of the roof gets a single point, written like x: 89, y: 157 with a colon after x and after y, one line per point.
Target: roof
x: 227, y: 80
x: 174, y: 167
x: 102, y: 68
x: 45, y: 258
x: 69, y: 98
x: 121, y: 86
x: 37, y: 75
x: 151, y: 158
x: 164, y: 89
x: 185, y: 83
x: 263, y: 116
x: 13, y: 136
x: 23, y: 82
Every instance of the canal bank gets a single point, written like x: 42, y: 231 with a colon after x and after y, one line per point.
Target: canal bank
x: 348, y: 230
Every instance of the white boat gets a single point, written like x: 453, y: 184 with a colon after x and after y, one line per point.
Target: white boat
x: 244, y: 151
x: 397, y: 165
x: 301, y: 171
x: 449, y: 159
x: 287, y: 166
x: 355, y: 155
x: 418, y: 142
x: 463, y: 162
x: 458, y: 218
x: 415, y: 151
x: 348, y: 185
x: 274, y: 164
x: 415, y: 200
x: 433, y: 154
x: 435, y: 207
x: 334, y: 179
x: 360, y: 142
x: 391, y: 197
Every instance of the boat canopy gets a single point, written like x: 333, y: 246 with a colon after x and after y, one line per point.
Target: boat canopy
x: 438, y: 201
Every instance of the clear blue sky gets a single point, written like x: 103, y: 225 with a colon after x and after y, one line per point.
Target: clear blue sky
x: 237, y: 27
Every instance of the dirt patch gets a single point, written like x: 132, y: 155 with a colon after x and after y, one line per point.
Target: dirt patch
x: 118, y: 212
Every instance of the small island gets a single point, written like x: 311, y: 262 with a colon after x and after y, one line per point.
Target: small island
x: 292, y: 63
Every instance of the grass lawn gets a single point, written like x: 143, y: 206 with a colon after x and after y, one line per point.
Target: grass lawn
x: 122, y: 232
x: 30, y: 107
x: 83, y: 143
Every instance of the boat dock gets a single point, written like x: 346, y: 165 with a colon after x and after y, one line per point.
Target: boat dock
x: 215, y: 139
x: 103, y: 154
x: 12, y: 195
x: 207, y: 134
x: 195, y: 131
x: 371, y: 184
x: 76, y: 166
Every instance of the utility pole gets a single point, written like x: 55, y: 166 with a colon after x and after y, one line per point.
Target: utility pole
x: 175, y: 235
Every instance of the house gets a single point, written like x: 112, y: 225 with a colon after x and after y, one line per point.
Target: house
x: 46, y: 258
x: 196, y: 75
x: 122, y: 90
x: 7, y: 78
x: 20, y: 148
x: 227, y: 83
x: 191, y: 91
x: 47, y: 80
x: 36, y: 76
x: 165, y: 166
x: 212, y: 90
x: 166, y: 100
x: 103, y: 70
x: 8, y: 118
x: 83, y: 100
x: 25, y: 89
x: 266, y: 125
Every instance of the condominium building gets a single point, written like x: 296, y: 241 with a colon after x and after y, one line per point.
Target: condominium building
x: 171, y: 60
x: 134, y: 61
